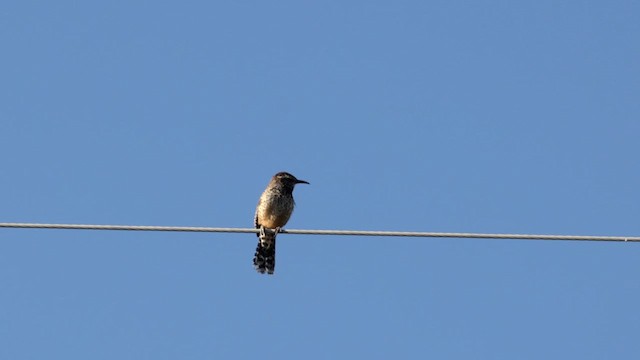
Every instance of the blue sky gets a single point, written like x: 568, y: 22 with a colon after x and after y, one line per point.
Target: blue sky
x: 485, y: 116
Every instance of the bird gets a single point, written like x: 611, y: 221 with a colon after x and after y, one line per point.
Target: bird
x: 272, y: 213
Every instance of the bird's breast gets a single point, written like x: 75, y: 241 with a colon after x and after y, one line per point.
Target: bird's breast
x: 274, y: 211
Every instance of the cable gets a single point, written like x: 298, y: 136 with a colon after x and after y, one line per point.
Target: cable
x: 323, y: 232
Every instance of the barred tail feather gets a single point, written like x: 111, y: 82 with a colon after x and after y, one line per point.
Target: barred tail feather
x: 265, y: 258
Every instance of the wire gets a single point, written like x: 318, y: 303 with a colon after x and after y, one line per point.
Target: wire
x: 323, y: 232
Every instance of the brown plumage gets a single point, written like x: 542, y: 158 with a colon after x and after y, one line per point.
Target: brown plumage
x: 272, y: 213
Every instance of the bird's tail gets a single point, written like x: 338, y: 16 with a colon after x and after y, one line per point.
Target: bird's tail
x: 265, y: 258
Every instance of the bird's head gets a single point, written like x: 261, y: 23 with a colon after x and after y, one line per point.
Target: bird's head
x: 288, y: 179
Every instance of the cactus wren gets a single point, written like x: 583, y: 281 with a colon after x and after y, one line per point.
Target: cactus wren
x: 273, y: 211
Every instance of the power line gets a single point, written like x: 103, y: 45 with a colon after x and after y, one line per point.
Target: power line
x: 324, y: 232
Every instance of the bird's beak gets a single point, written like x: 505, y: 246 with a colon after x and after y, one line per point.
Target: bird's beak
x: 301, y: 182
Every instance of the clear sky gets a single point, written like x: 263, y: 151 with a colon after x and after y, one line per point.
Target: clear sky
x: 473, y: 116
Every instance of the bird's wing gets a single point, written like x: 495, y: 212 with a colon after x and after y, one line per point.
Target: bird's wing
x: 255, y: 218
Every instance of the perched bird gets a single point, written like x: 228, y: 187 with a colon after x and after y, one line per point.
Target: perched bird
x: 272, y: 213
